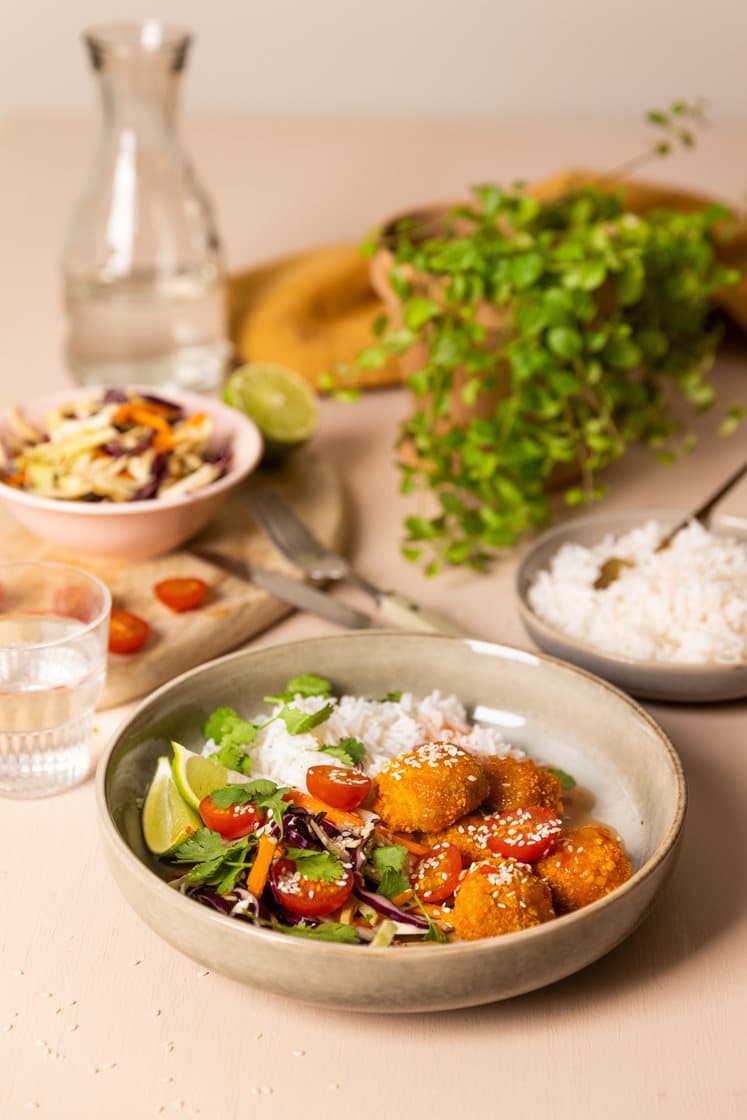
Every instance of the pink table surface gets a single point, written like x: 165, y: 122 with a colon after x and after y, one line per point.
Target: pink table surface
x: 98, y: 1017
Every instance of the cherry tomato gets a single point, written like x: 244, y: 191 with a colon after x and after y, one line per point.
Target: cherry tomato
x: 127, y: 632
x: 233, y: 822
x: 338, y: 786
x: 524, y: 834
x: 181, y: 594
x: 437, y: 874
x: 74, y: 602
x: 308, y: 896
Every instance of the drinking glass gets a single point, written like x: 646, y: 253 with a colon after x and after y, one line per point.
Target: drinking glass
x: 54, y: 624
x: 144, y: 284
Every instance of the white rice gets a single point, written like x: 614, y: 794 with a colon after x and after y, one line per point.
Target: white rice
x: 686, y: 604
x: 385, y: 727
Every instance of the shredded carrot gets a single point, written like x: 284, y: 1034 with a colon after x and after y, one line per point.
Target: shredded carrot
x: 164, y: 441
x: 313, y: 805
x: 257, y: 877
x: 195, y: 420
x: 436, y: 912
x: 141, y: 414
x: 410, y: 844
x: 401, y: 899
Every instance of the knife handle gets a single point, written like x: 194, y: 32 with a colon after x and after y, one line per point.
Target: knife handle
x: 398, y: 611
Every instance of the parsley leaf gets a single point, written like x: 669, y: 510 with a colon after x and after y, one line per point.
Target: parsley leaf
x: 261, y: 792
x: 349, y: 750
x: 389, y: 862
x: 298, y: 722
x: 327, y: 931
x: 395, y: 696
x: 308, y: 684
x: 226, y: 728
x: 566, y: 781
x: 322, y: 867
x: 233, y: 757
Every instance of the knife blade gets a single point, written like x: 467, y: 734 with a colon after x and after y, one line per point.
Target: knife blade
x: 289, y: 590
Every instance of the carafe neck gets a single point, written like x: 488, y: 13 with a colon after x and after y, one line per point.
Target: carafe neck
x: 139, y: 69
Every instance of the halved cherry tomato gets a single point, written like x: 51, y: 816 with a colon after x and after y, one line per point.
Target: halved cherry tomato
x: 233, y: 822
x: 127, y: 632
x: 181, y: 594
x: 524, y: 834
x: 338, y: 786
x: 437, y: 875
x: 309, y: 897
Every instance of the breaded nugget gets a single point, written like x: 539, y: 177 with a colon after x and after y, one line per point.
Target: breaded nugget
x: 585, y: 864
x: 429, y: 788
x: 469, y: 835
x: 521, y: 784
x: 500, y: 896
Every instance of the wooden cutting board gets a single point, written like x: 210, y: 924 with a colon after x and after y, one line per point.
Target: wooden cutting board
x: 234, y: 611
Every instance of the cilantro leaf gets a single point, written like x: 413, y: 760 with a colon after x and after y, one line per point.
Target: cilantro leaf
x: 435, y: 933
x: 203, y: 845
x: 394, y: 696
x: 226, y: 728
x: 566, y: 781
x: 214, y: 862
x: 233, y: 757
x: 389, y: 862
x: 298, y: 722
x: 327, y: 931
x: 350, y: 750
x: 308, y: 684
x: 261, y: 792
x: 322, y: 867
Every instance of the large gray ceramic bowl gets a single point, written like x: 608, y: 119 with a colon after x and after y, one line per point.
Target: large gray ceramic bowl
x: 649, y: 680
x: 559, y: 714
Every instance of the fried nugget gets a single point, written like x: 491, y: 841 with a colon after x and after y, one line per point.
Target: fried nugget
x: 500, y: 896
x: 469, y: 835
x: 585, y: 864
x: 429, y: 788
x: 521, y: 784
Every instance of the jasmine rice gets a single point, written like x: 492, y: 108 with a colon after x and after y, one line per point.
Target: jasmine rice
x: 385, y: 727
x: 686, y: 604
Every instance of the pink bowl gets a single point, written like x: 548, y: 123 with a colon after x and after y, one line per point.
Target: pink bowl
x: 136, y: 530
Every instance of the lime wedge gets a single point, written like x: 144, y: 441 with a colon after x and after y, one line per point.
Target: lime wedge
x: 196, y: 776
x: 167, y: 820
x: 284, y: 407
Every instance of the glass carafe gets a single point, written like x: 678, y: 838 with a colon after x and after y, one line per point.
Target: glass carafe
x: 144, y: 286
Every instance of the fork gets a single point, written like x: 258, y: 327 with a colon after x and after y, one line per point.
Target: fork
x: 295, y: 541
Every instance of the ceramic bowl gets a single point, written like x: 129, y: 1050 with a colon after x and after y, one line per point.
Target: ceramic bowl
x: 648, y: 680
x: 559, y: 714
x: 136, y: 530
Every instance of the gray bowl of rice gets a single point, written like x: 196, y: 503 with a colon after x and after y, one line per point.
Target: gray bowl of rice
x: 672, y: 626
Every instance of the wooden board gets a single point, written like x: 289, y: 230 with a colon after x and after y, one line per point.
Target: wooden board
x: 234, y: 610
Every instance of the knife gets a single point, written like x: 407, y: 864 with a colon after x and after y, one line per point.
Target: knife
x: 293, y: 539
x: 289, y: 590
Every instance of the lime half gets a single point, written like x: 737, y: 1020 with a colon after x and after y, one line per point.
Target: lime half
x: 284, y: 407
x: 167, y: 819
x: 196, y: 776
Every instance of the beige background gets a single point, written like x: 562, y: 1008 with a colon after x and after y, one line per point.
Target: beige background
x: 549, y: 58
x: 98, y: 1017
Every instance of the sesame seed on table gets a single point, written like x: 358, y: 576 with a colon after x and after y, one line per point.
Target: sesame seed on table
x: 653, y: 1029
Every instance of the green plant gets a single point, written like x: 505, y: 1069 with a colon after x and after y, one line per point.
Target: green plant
x: 602, y: 312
